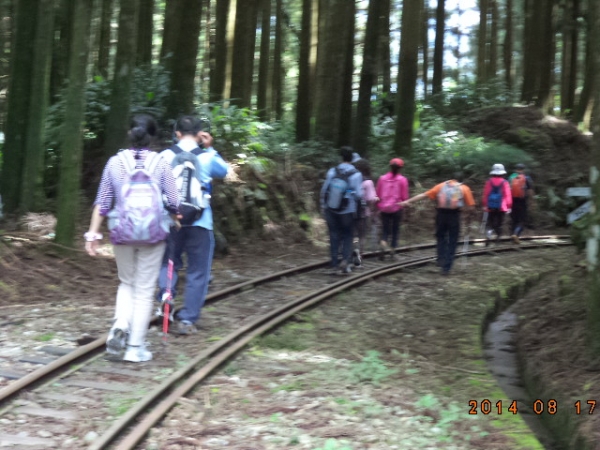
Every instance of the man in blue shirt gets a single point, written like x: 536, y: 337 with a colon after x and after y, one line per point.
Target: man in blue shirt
x: 340, y: 218
x: 196, y: 240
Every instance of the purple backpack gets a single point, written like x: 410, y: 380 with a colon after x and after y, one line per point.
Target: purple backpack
x: 139, y: 216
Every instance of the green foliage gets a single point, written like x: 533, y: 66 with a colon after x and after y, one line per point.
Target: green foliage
x: 461, y: 99
x: 440, y: 150
x: 580, y: 232
x: 45, y: 337
x: 371, y: 369
x: 236, y: 130
x: 333, y: 444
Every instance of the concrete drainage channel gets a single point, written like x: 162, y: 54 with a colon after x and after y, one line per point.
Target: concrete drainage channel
x: 501, y: 354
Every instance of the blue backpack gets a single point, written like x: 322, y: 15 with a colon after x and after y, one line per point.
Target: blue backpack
x: 494, y: 200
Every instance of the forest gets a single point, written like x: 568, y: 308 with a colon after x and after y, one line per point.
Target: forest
x: 387, y: 77
x: 447, y: 85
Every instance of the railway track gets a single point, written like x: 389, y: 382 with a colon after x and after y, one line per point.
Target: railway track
x: 101, y: 400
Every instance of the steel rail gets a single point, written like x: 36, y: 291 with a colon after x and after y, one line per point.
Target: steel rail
x: 235, y: 341
x: 89, y: 349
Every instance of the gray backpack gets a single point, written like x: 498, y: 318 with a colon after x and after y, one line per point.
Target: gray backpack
x: 338, y: 191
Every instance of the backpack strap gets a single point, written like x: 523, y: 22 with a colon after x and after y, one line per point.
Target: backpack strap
x: 177, y: 149
x: 127, y: 159
x: 151, y: 162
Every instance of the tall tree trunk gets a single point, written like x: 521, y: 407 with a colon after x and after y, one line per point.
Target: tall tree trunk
x: 569, y: 57
x: 265, y: 60
x: 425, y: 45
x: 217, y: 76
x: 183, y: 61
x: 593, y: 247
x: 588, y: 93
x: 277, y: 89
x: 384, y: 47
x: 72, y: 133
x: 331, y: 61
x: 345, y: 126
x: 60, y: 57
x: 171, y: 27
x: 482, y: 42
x: 407, y: 76
x: 508, y: 45
x: 304, y: 91
x: 104, y: 41
x: 547, y: 47
x: 368, y: 78
x: 117, y: 121
x: 493, y: 63
x: 32, y: 189
x: 18, y: 104
x: 243, y: 52
x: 145, y: 33
x: 6, y: 21
x: 438, y: 51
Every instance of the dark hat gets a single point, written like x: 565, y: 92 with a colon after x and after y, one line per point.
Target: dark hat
x: 520, y: 166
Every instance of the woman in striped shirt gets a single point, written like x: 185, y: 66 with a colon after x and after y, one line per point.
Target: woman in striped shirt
x: 138, y: 264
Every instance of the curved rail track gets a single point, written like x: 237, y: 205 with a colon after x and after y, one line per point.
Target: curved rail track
x: 88, y: 384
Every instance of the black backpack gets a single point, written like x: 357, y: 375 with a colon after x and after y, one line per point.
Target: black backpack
x: 192, y: 196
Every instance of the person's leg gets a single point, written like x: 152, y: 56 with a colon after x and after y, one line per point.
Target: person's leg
x: 125, y: 259
x: 518, y: 215
x: 173, y: 249
x: 386, y: 226
x: 117, y: 336
x: 441, y: 238
x: 147, y: 267
x: 453, y: 230
x: 396, y: 219
x: 199, y: 250
x: 334, y: 238
x: 346, y: 225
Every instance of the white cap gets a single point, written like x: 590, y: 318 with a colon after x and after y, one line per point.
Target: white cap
x: 498, y: 169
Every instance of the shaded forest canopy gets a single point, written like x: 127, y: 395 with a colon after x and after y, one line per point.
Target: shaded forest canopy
x: 284, y: 83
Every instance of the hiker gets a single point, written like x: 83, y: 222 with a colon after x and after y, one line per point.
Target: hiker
x: 138, y: 261
x: 521, y: 189
x: 496, y: 201
x: 366, y: 213
x: 451, y: 197
x: 339, y: 197
x: 195, y: 237
x: 392, y: 189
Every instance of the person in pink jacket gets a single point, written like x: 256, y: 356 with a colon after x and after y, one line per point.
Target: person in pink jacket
x: 392, y: 188
x: 496, y: 201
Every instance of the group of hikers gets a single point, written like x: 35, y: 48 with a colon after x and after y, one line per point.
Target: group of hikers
x: 353, y: 206
x: 158, y: 208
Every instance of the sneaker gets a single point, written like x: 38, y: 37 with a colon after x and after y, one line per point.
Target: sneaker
x: 137, y: 354
x: 515, y: 239
x: 345, y: 268
x: 356, y: 259
x: 115, y: 343
x: 185, y: 327
x: 488, y: 237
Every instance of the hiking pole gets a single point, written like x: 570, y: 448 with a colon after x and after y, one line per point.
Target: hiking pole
x: 483, y: 222
x: 167, y: 299
x: 465, y: 250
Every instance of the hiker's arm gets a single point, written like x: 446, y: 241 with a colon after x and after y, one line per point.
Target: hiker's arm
x: 218, y: 166
x: 414, y: 199
x: 205, y: 139
x: 93, y: 235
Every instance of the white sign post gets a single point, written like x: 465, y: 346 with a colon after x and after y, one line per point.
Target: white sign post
x: 579, y: 192
x: 579, y: 212
x: 583, y: 209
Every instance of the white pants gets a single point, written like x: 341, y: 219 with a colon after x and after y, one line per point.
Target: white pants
x: 138, y: 268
